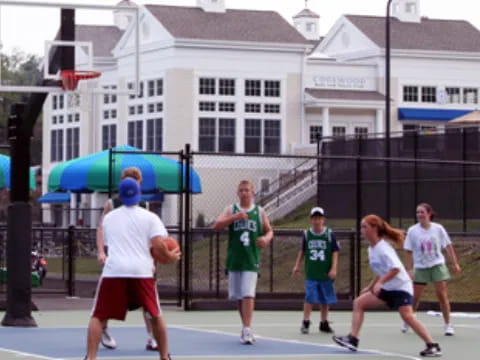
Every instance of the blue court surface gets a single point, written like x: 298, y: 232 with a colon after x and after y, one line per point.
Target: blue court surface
x: 67, y: 343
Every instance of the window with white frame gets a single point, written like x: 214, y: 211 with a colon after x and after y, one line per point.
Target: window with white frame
x: 54, y: 102
x: 453, y: 95
x: 56, y: 145
x: 217, y: 135
x: 207, y: 106
x: 272, y: 88
x: 316, y: 133
x: 311, y: 27
x: 69, y: 118
x: 207, y: 134
x: 264, y: 186
x: 429, y: 94
x: 135, y: 133
x: 226, y: 107
x: 207, y: 86
x: 253, y: 108
x: 271, y: 137
x: 470, y: 96
x: 360, y: 131
x: 155, y: 87
x: 226, y: 135
x: 60, y: 101
x: 253, y: 136
x: 262, y: 136
x: 253, y: 88
x: 226, y: 87
x: 339, y: 131
x: 155, y: 134
x: 272, y: 108
x: 77, y: 117
x: 72, y: 143
x: 410, y: 93
x: 109, y: 136
x: 60, y: 119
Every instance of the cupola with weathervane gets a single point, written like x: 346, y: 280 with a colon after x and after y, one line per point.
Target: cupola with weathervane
x: 216, y: 6
x: 307, y: 23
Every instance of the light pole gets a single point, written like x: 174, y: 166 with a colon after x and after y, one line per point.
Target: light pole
x: 387, y: 112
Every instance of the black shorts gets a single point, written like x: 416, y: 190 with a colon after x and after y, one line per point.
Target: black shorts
x: 395, y: 298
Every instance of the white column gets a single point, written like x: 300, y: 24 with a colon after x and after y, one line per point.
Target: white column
x: 327, y: 130
x: 379, y: 122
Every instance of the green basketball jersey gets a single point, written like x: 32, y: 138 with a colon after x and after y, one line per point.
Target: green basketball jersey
x: 318, y: 254
x: 243, y: 253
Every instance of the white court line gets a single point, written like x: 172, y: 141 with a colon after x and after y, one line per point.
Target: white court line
x: 25, y: 354
x: 372, y: 351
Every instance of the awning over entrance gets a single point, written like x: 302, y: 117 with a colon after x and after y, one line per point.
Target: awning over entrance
x: 55, y: 198
x: 430, y: 114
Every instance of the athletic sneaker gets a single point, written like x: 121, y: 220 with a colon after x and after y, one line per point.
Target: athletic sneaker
x: 404, y: 328
x: 432, y: 350
x: 325, y: 327
x: 349, y: 341
x: 305, y: 326
x: 449, y: 330
x: 151, y: 345
x: 247, y: 337
x: 107, y: 340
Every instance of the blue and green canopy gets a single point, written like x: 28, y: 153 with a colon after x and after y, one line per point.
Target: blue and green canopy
x: 91, y: 173
x: 5, y: 164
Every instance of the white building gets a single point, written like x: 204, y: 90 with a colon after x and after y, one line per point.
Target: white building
x: 247, y: 81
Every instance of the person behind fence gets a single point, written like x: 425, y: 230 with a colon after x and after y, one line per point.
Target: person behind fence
x: 249, y: 230
x: 320, y: 252
x: 426, y: 263
x: 127, y: 279
x: 392, y: 286
x: 108, y: 341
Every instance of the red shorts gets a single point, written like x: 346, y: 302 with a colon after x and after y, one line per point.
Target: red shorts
x: 115, y: 296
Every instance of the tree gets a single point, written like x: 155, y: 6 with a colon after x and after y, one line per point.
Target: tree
x: 20, y: 68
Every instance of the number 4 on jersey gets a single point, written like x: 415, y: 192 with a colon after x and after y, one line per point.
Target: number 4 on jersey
x: 245, y: 238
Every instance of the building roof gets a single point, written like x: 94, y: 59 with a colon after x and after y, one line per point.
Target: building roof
x: 429, y: 34
x: 104, y: 38
x: 358, y: 95
x: 307, y: 13
x: 232, y: 25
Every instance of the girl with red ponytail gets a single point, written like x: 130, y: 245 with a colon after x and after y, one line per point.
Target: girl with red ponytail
x: 392, y: 286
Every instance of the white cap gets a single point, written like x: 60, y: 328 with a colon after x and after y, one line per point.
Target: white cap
x: 317, y: 211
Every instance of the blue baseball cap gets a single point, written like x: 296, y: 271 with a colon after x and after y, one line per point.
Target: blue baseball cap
x: 129, y: 192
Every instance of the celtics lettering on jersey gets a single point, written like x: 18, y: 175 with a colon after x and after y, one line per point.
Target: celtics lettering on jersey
x: 243, y: 253
x: 318, y: 254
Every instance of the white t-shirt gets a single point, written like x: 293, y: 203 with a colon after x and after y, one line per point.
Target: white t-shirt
x: 127, y: 232
x: 383, y: 258
x: 426, y: 245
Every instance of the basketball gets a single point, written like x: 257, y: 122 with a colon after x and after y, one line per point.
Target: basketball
x: 171, y: 245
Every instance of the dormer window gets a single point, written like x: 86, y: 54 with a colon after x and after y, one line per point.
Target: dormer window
x: 311, y: 27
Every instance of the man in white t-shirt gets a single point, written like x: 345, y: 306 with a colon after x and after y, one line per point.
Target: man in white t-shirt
x: 130, y: 231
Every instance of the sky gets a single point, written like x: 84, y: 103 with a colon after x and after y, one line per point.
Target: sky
x: 27, y: 28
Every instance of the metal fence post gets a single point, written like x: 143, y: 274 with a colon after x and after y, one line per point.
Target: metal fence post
x: 464, y: 180
x: 271, y: 265
x: 71, y: 261
x: 188, y: 229
x: 217, y: 270
x: 358, y: 244
x: 318, y: 168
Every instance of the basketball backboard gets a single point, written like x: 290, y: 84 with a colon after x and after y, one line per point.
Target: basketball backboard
x: 32, y: 27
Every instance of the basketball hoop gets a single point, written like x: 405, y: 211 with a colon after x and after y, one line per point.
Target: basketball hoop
x: 70, y: 78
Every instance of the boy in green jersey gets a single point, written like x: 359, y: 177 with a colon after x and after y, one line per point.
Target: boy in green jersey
x: 320, y: 250
x: 249, y: 230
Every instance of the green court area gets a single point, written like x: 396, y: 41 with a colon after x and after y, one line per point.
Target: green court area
x: 215, y: 335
